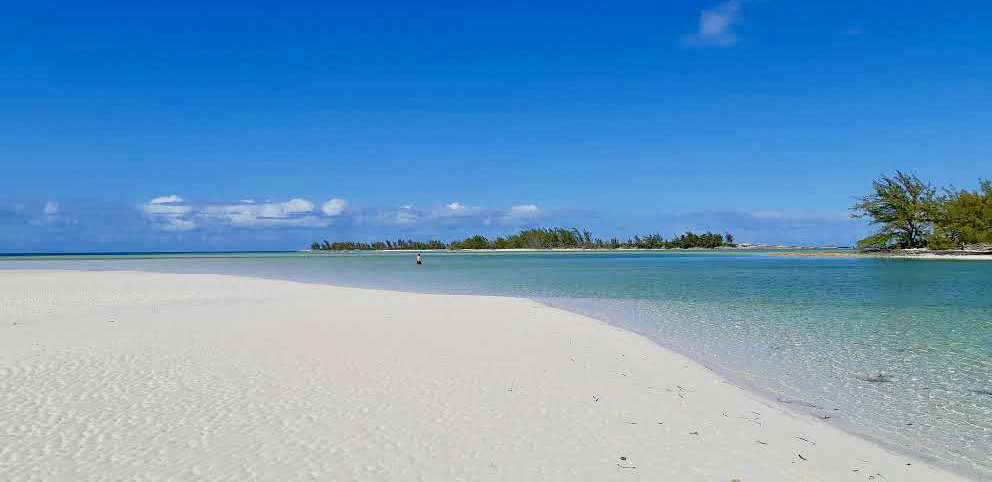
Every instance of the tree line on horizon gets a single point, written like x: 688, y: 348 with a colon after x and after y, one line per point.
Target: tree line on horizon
x: 911, y: 214
x: 543, y: 238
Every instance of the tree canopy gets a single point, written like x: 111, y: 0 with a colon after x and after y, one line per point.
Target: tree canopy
x: 964, y: 217
x: 911, y: 215
x: 903, y: 206
x: 543, y: 238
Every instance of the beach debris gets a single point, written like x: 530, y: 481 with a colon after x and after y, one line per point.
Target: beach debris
x: 693, y: 433
x: 753, y: 420
x: 762, y: 443
x: 595, y: 398
x: 801, y: 456
x: 879, y: 377
x: 111, y: 321
x: 631, y: 423
x: 806, y: 440
x: 825, y: 417
x: 623, y: 464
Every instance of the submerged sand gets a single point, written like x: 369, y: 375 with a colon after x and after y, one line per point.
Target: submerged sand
x: 140, y: 376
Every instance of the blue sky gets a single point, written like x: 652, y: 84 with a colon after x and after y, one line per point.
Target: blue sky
x: 146, y: 125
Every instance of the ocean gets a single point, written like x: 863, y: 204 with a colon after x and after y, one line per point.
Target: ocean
x: 895, y: 350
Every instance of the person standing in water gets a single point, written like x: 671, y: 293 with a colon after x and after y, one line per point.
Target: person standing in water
x: 420, y: 259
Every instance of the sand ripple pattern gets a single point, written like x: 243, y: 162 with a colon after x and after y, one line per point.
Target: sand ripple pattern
x: 215, y: 378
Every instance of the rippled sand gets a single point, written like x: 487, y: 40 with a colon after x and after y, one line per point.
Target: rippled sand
x: 136, y: 376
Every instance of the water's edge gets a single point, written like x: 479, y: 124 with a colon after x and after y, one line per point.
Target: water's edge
x: 736, y: 377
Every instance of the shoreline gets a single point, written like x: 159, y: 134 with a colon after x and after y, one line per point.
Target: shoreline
x: 465, y: 358
x: 974, y: 256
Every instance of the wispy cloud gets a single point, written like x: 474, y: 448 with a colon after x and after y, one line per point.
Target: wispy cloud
x: 716, y: 26
x: 172, y: 213
x: 168, y: 213
x: 524, y: 208
x: 295, y: 212
x: 767, y: 226
x: 453, y: 216
x: 166, y: 200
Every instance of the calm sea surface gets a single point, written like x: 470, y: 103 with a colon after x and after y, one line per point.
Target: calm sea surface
x: 896, y: 350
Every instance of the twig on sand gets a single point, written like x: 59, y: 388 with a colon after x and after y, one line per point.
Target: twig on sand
x: 806, y: 440
x: 801, y: 456
x: 623, y: 460
x: 753, y: 420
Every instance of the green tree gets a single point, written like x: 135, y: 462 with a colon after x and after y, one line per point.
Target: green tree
x: 903, y: 206
x: 963, y: 217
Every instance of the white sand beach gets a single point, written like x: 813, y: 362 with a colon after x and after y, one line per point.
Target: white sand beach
x: 108, y: 376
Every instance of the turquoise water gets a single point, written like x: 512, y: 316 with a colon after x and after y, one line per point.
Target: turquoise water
x: 819, y: 335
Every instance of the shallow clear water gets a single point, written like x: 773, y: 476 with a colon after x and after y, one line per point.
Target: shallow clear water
x: 810, y: 332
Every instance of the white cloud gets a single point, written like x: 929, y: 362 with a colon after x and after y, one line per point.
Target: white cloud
x: 524, y: 208
x: 51, y: 208
x: 248, y: 201
x: 403, y: 217
x: 169, y: 213
x: 716, y: 26
x: 166, y: 199
x: 455, y: 215
x: 165, y: 209
x: 289, y: 213
x: 334, y: 207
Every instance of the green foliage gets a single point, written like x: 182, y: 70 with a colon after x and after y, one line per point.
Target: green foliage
x: 911, y: 216
x: 903, y: 206
x: 963, y: 217
x: 379, y: 245
x: 543, y: 238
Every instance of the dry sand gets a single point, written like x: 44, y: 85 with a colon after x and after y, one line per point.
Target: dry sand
x: 140, y: 376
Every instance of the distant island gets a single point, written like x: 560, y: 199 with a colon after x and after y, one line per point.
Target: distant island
x: 541, y: 238
x: 912, y: 219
